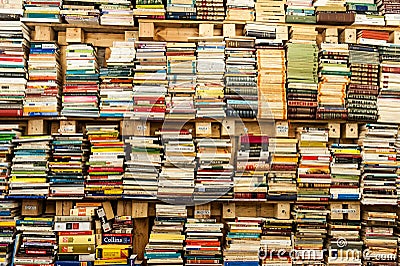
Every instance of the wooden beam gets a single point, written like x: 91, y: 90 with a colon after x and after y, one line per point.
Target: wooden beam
x: 141, y: 233
x: 36, y: 126
x: 44, y: 33
x: 146, y: 30
x: 75, y: 35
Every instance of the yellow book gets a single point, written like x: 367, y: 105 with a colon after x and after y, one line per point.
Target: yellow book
x: 167, y: 236
x: 110, y: 261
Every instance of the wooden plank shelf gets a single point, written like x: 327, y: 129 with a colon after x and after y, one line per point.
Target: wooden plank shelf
x: 87, y: 28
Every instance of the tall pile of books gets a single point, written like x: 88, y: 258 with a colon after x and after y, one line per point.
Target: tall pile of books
x: 379, y: 237
x: 334, y: 77
x: 300, y: 11
x: 276, y: 235
x: 7, y: 134
x: 176, y: 180
x: 302, y: 74
x: 165, y: 245
x: 253, y: 163
x: 240, y: 10
x: 36, y: 242
x: 106, y: 162
x: 345, y: 172
x: 241, y: 93
x: 379, y: 165
x: 80, y: 12
x: 42, y: 11
x: 367, y: 12
x: 116, y: 90
x: 181, y: 70
x: 314, y: 179
x: 14, y: 42
x: 271, y: 68
x: 281, y: 178
x: 390, y: 10
x: 344, y: 235
x: 9, y: 213
x: 150, y: 80
x: 210, y: 79
x: 142, y: 167
x: 363, y: 90
x: 310, y: 234
x: 389, y: 83
x: 76, y: 244
x: 30, y: 168
x: 149, y: 9
x: 243, y: 242
x: 214, y: 171
x: 68, y: 165
x: 177, y: 9
x: 270, y: 11
x: 119, y: 13
x: 203, y: 242
x: 44, y: 83
x: 210, y: 10
x: 81, y: 88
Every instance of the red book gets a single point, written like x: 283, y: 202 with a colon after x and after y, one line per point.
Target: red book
x: 75, y: 233
x: 11, y: 112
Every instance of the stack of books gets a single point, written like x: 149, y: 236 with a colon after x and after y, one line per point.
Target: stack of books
x: 210, y: 79
x: 302, y: 74
x: 7, y: 134
x: 271, y: 66
x: 243, y: 242
x: 68, y: 165
x: 181, y: 70
x: 9, y: 213
x: 372, y: 37
x: 44, y: 83
x: 14, y: 42
x: 333, y: 12
x: 253, y: 163
x: 379, y: 165
x: 367, y: 12
x: 76, y: 244
x: 42, y: 11
x: 176, y: 180
x: 11, y: 10
x: 241, y: 95
x: 314, y: 179
x: 391, y: 10
x: 281, y: 179
x: 178, y: 9
x: 379, y: 237
x: 276, y: 235
x: 142, y: 167
x: 363, y: 90
x: 214, y: 171
x: 80, y: 12
x: 30, y: 167
x: 310, y: 234
x: 165, y: 245
x: 333, y: 79
x: 300, y: 11
x: 389, y: 83
x: 345, y: 172
x: 116, y: 89
x: 119, y: 13
x: 240, y: 10
x: 115, y: 247
x: 203, y: 242
x: 344, y: 235
x: 81, y: 88
x: 397, y: 146
x: 150, y: 9
x: 150, y: 81
x: 270, y: 11
x: 210, y: 10
x: 106, y: 161
x: 36, y: 242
